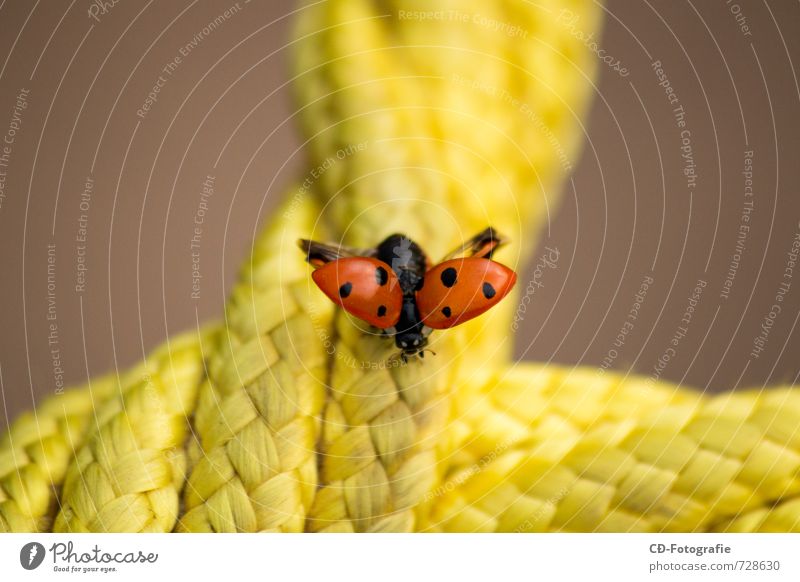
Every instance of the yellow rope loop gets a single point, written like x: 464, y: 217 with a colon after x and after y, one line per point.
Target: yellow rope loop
x: 257, y: 420
x: 421, y: 124
x: 558, y: 450
x: 128, y: 474
x: 436, y: 120
x: 35, y: 453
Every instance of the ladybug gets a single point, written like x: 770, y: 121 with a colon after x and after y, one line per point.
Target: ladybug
x: 394, y: 287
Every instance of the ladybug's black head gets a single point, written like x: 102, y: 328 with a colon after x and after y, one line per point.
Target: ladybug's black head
x: 411, y: 336
x: 410, y: 342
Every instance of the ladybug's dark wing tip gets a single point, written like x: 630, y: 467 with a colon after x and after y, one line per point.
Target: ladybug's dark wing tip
x: 306, y: 246
x: 495, y: 235
x: 482, y: 245
x: 486, y: 243
x: 318, y: 253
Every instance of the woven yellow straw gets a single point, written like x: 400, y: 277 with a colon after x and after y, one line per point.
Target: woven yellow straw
x: 434, y: 126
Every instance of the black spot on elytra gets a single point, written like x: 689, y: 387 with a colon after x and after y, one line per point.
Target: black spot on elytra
x: 381, y: 311
x: 488, y: 291
x: 345, y: 290
x: 446, y: 311
x: 381, y: 276
x: 449, y: 276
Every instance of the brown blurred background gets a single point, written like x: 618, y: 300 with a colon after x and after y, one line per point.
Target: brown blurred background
x: 88, y: 161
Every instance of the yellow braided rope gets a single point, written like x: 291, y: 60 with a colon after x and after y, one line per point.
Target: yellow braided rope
x: 550, y: 449
x: 35, y: 453
x: 257, y: 419
x: 381, y: 427
x: 426, y: 144
x: 439, y: 127
x: 39, y: 446
x: 127, y: 475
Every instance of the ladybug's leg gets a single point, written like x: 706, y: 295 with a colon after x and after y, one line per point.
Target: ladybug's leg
x: 388, y: 332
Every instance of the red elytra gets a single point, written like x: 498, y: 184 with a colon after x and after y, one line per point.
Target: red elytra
x: 365, y: 287
x: 410, y: 299
x: 458, y: 290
